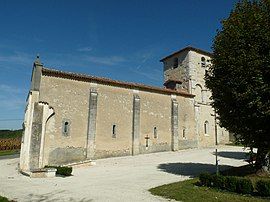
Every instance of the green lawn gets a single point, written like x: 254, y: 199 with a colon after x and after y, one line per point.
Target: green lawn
x: 9, y: 152
x: 187, y: 191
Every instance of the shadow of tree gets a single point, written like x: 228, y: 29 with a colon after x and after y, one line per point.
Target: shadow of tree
x: 232, y: 155
x: 54, y: 196
x: 12, y: 156
x: 190, y: 169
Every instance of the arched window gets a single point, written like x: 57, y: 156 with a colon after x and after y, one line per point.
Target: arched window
x: 206, y: 128
x: 175, y: 63
x: 203, y: 62
x: 198, y: 93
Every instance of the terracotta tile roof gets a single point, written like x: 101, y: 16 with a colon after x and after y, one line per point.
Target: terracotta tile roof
x: 189, y: 48
x: 106, y: 81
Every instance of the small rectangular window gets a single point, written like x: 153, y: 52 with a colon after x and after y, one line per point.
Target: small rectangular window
x: 155, y: 132
x: 114, y: 131
x: 184, y: 133
x: 65, y: 127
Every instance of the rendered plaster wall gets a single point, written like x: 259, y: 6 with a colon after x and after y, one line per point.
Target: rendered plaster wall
x: 186, y: 123
x: 69, y: 98
x: 155, y: 112
x: 205, y: 112
x: 70, y: 101
x: 180, y: 72
x: 114, y: 107
x: 170, y: 72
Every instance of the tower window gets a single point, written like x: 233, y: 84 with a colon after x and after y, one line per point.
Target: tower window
x: 65, y: 127
x: 155, y: 132
x: 114, y: 131
x: 175, y: 63
x: 206, y: 128
x: 184, y: 133
x: 203, y: 62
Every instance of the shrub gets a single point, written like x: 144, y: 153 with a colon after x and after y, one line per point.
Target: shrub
x: 62, y: 170
x: 263, y: 187
x: 218, y: 181
x: 244, y: 186
x: 66, y: 171
x: 231, y: 183
x: 206, y: 179
x: 4, y: 199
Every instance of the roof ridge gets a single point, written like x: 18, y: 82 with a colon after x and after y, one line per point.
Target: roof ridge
x: 188, y: 48
x: 103, y: 80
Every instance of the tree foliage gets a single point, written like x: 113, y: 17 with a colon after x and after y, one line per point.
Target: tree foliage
x: 240, y: 75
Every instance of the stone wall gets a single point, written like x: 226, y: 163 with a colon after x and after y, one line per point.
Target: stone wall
x: 122, y: 121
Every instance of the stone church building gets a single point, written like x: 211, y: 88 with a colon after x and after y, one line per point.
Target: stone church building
x: 73, y: 118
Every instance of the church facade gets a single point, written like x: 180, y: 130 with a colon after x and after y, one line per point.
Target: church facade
x: 72, y: 118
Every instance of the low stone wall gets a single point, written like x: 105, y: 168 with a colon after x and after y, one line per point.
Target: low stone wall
x: 66, y: 155
x: 159, y: 147
x: 187, y: 144
x: 107, y: 153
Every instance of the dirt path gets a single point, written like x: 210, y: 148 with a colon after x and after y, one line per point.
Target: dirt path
x: 116, y: 179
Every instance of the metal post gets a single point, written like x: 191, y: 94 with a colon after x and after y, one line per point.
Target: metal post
x: 216, y: 141
x: 217, y: 169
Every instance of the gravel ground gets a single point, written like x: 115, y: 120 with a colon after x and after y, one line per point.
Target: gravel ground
x: 116, y: 179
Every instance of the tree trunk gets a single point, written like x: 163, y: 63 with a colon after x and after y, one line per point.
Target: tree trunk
x: 263, y: 160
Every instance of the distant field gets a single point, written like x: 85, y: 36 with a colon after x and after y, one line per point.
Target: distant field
x: 10, y: 134
x: 10, y: 142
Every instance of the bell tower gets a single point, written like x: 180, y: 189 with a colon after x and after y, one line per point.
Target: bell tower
x: 176, y: 70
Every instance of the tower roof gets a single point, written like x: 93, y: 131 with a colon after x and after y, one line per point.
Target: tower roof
x: 188, y: 48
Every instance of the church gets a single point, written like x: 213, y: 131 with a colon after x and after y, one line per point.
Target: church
x: 76, y: 118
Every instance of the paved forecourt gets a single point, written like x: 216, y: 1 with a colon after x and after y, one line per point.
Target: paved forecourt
x: 116, y: 179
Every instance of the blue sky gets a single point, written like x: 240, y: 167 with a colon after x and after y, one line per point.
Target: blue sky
x: 119, y: 39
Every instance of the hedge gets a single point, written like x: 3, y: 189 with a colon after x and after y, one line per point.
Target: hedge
x: 244, y: 186
x: 205, y: 179
x: 234, y: 184
x: 263, y: 187
x: 231, y: 183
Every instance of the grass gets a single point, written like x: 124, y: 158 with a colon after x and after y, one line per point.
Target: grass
x: 9, y: 152
x: 11, y: 133
x: 187, y: 191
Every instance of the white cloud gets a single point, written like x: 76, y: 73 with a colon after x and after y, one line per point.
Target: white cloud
x: 154, y: 75
x: 85, y: 49
x: 17, y: 58
x: 9, y: 89
x: 106, y: 60
x: 11, y: 97
x: 12, y: 104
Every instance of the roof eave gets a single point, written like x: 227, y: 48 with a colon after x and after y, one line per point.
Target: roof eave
x: 189, y: 48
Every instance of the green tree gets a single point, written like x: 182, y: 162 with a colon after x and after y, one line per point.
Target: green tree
x: 240, y: 76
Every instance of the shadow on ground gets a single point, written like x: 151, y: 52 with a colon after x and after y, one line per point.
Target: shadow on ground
x: 190, y: 169
x: 54, y: 196
x: 12, y: 156
x: 233, y: 155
